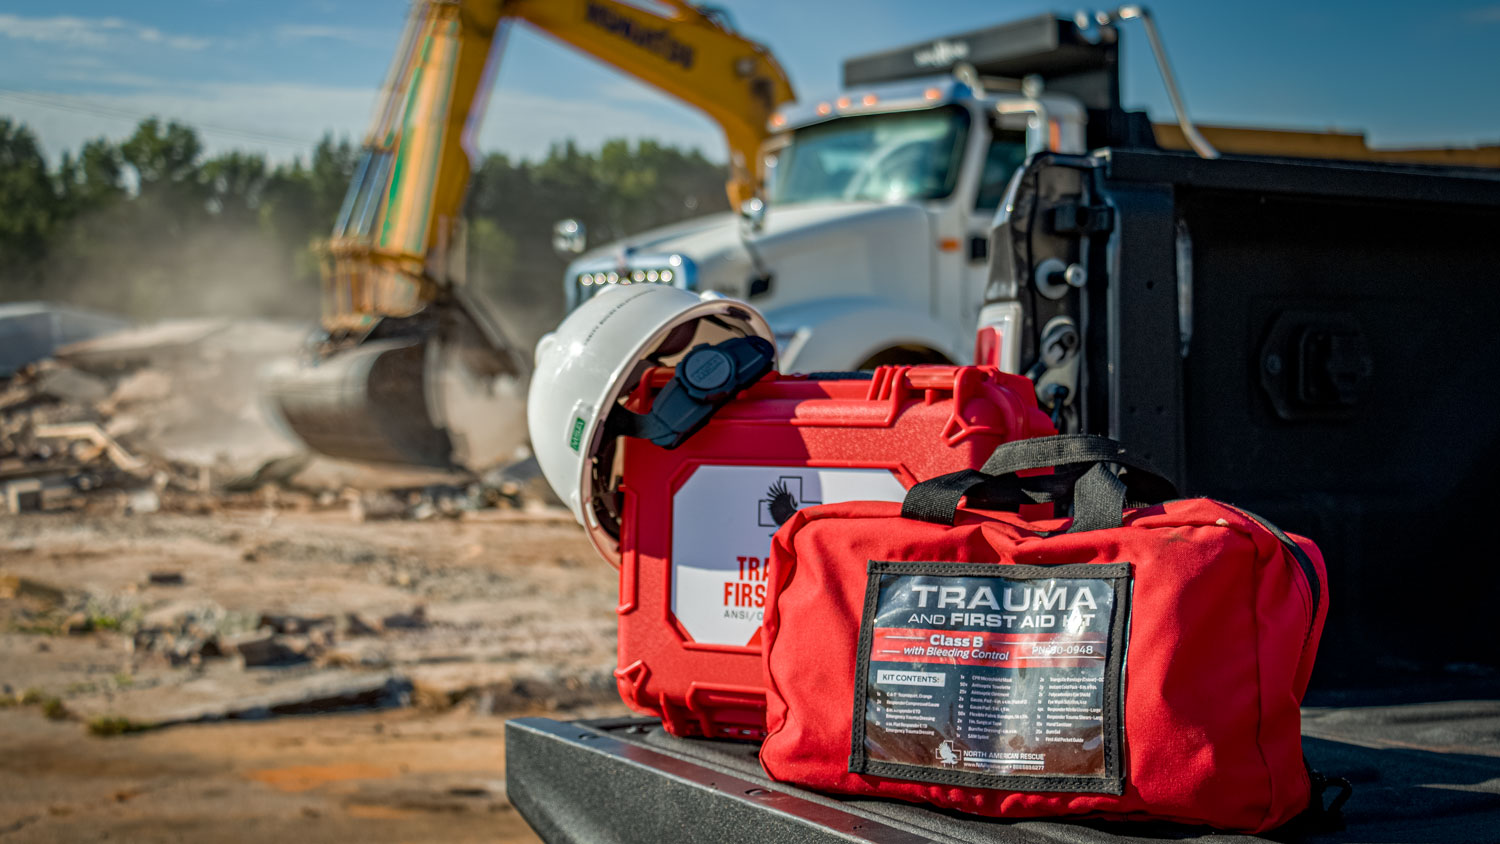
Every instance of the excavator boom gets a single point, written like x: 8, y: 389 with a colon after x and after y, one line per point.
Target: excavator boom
x: 692, y: 56
x: 411, y: 368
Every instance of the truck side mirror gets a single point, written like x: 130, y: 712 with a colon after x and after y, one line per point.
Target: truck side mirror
x: 753, y: 212
x: 569, y: 237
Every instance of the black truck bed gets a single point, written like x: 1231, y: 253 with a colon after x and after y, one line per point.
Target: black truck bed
x: 1424, y: 770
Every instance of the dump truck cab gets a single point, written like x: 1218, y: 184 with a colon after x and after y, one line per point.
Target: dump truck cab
x: 871, y: 242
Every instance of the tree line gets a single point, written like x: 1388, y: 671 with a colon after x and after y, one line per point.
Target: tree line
x: 152, y: 227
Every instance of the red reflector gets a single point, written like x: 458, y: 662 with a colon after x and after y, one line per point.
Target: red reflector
x: 987, y: 346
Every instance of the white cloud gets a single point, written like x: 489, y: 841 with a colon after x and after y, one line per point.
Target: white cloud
x: 1483, y: 14
x: 309, y: 32
x: 92, y: 32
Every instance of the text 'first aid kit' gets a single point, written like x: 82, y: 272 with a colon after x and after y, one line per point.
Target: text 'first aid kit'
x: 1144, y: 659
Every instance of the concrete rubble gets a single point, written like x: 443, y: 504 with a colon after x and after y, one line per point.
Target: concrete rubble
x: 168, y: 417
x: 127, y: 623
x: 167, y: 555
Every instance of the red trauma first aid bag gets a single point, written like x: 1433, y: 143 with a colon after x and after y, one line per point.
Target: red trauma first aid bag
x: 1127, y: 663
x: 696, y: 521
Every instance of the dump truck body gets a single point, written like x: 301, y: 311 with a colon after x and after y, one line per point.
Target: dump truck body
x: 1312, y: 341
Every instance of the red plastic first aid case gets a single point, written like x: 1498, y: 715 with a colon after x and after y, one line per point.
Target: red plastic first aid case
x: 697, y: 520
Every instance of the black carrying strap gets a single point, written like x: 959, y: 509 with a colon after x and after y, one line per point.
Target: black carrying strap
x: 1082, y: 478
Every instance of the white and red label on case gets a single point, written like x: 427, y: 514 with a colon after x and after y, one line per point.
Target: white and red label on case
x: 723, y: 519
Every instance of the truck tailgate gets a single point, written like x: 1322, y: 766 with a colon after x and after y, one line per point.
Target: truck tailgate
x: 1423, y: 771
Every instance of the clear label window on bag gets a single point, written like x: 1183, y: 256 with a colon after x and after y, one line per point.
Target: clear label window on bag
x: 993, y: 676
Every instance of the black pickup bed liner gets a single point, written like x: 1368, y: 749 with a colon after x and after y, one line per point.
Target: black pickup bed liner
x: 1424, y: 770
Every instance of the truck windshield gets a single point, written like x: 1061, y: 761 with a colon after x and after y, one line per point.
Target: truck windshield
x: 891, y: 157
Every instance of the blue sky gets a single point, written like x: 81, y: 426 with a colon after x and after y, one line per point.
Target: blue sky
x: 274, y: 75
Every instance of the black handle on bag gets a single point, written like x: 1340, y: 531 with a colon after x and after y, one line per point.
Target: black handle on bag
x: 1082, y: 477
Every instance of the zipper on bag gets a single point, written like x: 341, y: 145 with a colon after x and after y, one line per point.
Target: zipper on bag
x: 1304, y: 562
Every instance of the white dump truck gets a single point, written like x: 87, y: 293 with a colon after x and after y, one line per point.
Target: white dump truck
x: 871, y: 244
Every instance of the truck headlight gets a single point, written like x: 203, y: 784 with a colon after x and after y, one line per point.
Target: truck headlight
x: 676, y: 270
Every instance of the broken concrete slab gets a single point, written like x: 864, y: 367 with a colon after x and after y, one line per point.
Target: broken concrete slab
x: 223, y: 692
x: 31, y: 331
x: 494, y: 688
x: 26, y: 588
x: 175, y: 614
x: 195, y: 617
x: 282, y: 623
x: 357, y: 624
x: 70, y: 385
x: 416, y: 619
x: 368, y: 653
x: 139, y: 346
x: 145, y: 386
x: 262, y: 648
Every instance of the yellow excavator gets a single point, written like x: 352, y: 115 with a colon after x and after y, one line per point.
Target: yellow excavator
x: 409, y: 368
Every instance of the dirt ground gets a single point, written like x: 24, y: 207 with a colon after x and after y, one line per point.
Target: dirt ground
x: 264, y: 676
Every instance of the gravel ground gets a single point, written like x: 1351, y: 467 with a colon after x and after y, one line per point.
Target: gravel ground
x: 250, y: 676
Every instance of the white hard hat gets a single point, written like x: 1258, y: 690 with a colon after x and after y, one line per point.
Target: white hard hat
x: 592, y: 361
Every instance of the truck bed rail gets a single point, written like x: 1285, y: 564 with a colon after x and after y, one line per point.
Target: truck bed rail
x: 1423, y: 771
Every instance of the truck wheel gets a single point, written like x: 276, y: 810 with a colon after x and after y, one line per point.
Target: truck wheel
x: 903, y: 356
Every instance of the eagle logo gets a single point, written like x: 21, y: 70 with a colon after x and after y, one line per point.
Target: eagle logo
x: 946, y: 754
x: 783, y: 503
x: 784, y: 497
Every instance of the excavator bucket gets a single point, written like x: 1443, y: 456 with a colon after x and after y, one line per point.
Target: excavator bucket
x: 366, y: 404
x: 430, y: 402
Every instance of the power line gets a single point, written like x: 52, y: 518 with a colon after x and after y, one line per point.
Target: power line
x: 77, y: 107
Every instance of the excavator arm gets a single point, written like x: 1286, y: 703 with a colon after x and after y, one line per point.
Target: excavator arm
x: 411, y: 369
x: 692, y: 56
